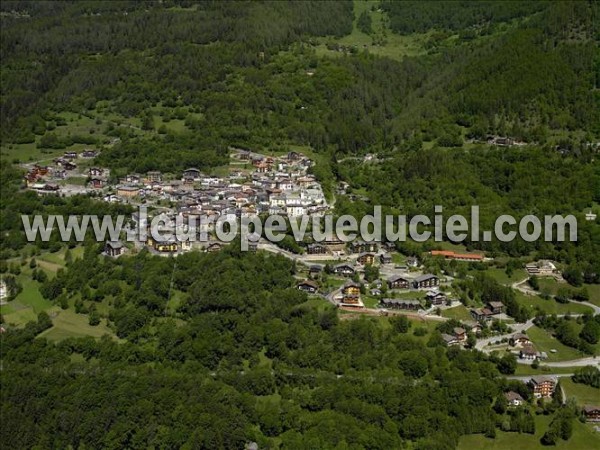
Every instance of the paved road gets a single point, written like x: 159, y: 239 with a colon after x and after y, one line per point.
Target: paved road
x: 523, y: 287
x: 580, y: 362
x: 517, y: 327
x: 528, y: 377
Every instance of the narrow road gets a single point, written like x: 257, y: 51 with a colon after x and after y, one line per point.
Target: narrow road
x: 517, y: 327
x: 528, y: 377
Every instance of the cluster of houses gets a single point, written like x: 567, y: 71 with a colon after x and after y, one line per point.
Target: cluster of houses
x: 458, y: 336
x: 488, y: 312
x: 42, y: 179
x: 544, y: 387
x: 35, y: 179
x: 525, y: 348
x: 541, y: 386
x: 275, y: 185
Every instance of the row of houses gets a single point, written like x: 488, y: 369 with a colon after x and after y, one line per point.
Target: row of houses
x: 425, y: 281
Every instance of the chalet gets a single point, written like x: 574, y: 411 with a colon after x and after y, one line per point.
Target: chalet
x: 543, y: 386
x: 88, y: 154
x: 528, y: 353
x: 70, y: 155
x: 460, y: 334
x: 96, y: 183
x: 520, y: 339
x: 412, y: 261
x: 95, y: 172
x: 351, y: 288
x: 351, y: 294
x: 163, y: 246
x: 343, y: 269
x: 436, y: 297
x: 114, y: 248
x: 450, y: 340
x: 366, y: 258
x: 363, y: 247
x: 69, y: 166
x: 308, y: 286
x: 513, y: 399
x: 316, y: 249
x: 214, y: 247
x: 59, y: 173
x: 481, y: 314
x: 591, y: 413
x: 590, y: 216
x: 394, y: 303
x: 426, y: 281
x: 495, y: 307
x: 385, y: 258
x: 375, y: 292
x: 154, y: 176
x: 191, y: 173
x: 127, y: 191
x: 503, y: 141
x: 132, y: 178
x: 398, y: 282
x: 472, y: 326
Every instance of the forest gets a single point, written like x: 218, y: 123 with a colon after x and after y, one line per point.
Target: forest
x: 245, y: 356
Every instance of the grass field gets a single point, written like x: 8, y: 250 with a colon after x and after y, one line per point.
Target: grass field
x: 594, y: 292
x: 551, y: 306
x: 458, y: 312
x: 525, y: 369
x: 69, y: 324
x: 544, y: 342
x: 583, y: 394
x: 500, y: 275
x: 29, y: 303
x: 583, y: 438
x: 395, y: 46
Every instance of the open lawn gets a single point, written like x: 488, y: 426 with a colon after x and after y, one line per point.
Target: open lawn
x: 370, y: 302
x: 583, y: 438
x: 458, y: 312
x: 390, y: 45
x: 544, y: 342
x: 319, y: 303
x: 551, y: 306
x: 525, y: 369
x: 594, y: 293
x: 583, y: 394
x: 501, y: 277
x: 69, y: 324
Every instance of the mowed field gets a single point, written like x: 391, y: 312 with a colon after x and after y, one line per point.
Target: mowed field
x: 582, y: 393
x: 584, y: 438
x: 545, y: 342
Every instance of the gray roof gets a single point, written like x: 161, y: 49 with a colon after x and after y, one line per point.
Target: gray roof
x: 425, y: 277
x: 115, y: 244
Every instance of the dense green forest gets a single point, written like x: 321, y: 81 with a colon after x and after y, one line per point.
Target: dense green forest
x: 252, y: 361
x: 212, y: 351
